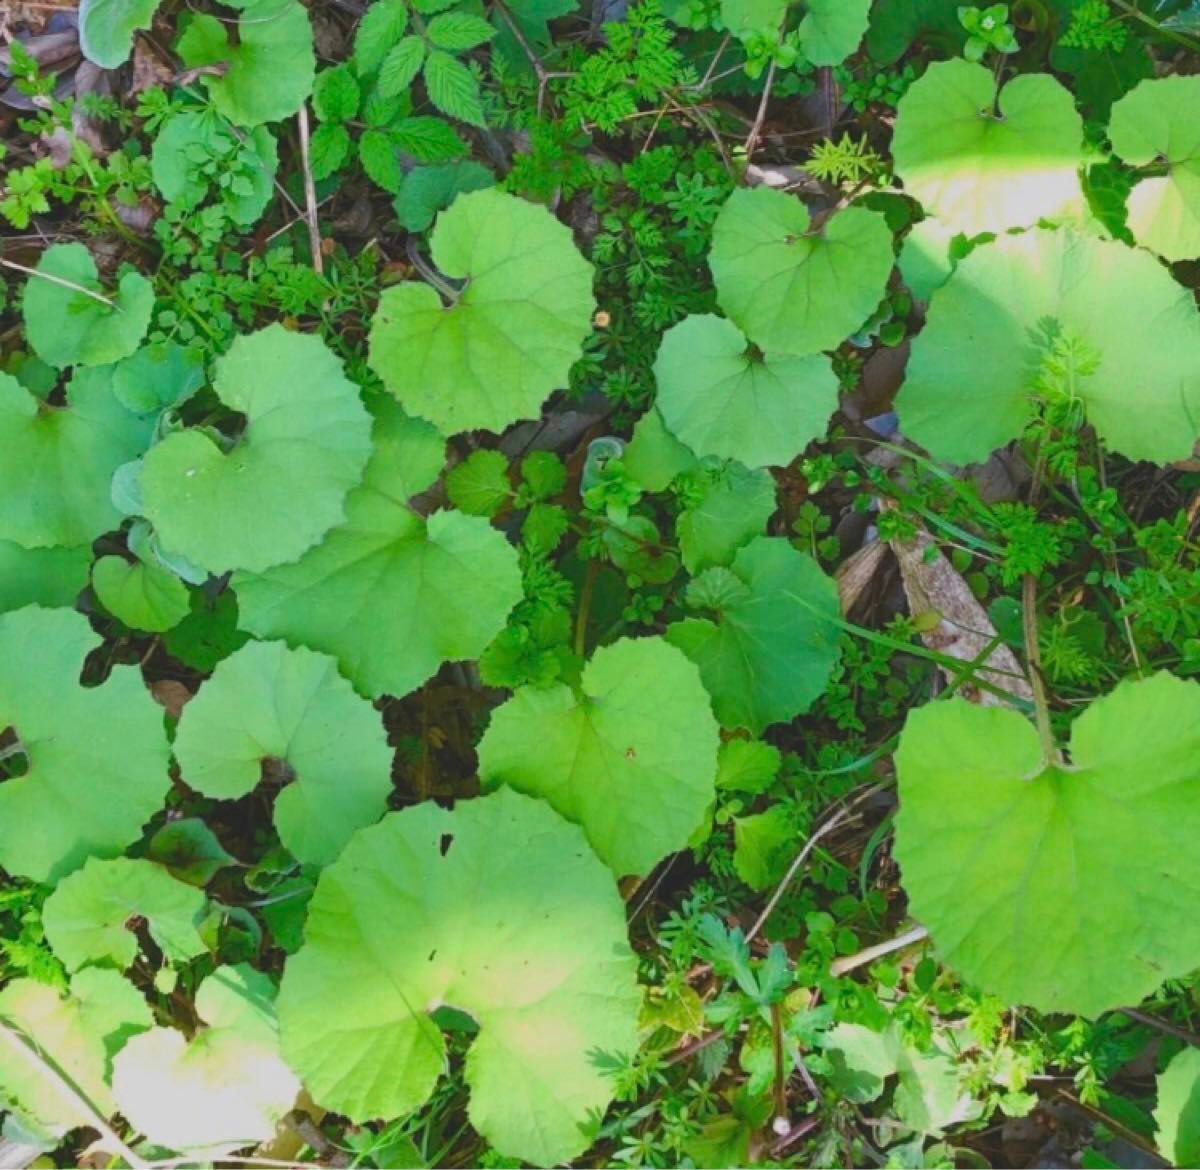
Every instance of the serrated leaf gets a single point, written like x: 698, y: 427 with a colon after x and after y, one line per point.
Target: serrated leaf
x: 428, y: 139
x: 268, y: 709
x: 226, y: 1087
x: 530, y: 942
x: 747, y: 765
x: 390, y: 594
x: 452, y: 87
x: 97, y: 756
x: 77, y: 1033
x: 1143, y: 392
x: 382, y: 25
x: 732, y: 504
x: 401, y: 65
x: 140, y: 594
x: 336, y: 94
x: 721, y: 399
x: 1153, y: 122
x: 479, y: 484
x: 458, y: 31
x: 87, y: 918
x: 832, y: 29
x: 380, y: 159
x: 1177, y: 1113
x: 41, y: 576
x: 987, y: 834
x: 791, y: 291
x: 329, y: 148
x: 284, y: 484
x: 631, y: 757
x: 984, y: 162
x: 760, y: 843
x: 67, y: 327
x: 771, y: 654
x: 512, y: 334
x: 107, y: 28
x: 269, y: 70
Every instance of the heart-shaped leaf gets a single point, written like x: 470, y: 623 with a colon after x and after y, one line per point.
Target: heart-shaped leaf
x: 106, y: 28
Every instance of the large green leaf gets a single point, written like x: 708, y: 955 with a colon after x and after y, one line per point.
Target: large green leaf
x: 1177, y: 1113
x: 77, y: 1033
x: 106, y: 28
x: 770, y: 655
x: 97, y: 756
x: 224, y: 1088
x: 57, y: 463
x: 284, y: 483
x: 41, y: 576
x: 1156, y: 122
x: 499, y: 909
x: 67, y: 327
x: 88, y: 917
x: 270, y: 709
x: 721, y: 398
x: 268, y: 72
x: 983, y: 162
x: 832, y: 29
x: 792, y: 290
x: 1015, y: 307
x: 631, y: 756
x: 390, y: 594
x: 509, y: 337
x: 1068, y: 887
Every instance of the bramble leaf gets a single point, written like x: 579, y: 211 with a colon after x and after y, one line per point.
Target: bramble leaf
x: 269, y: 710
x: 1053, y: 307
x: 97, y: 756
x: 794, y: 291
x: 1067, y: 887
x: 284, y: 483
x: 510, y: 336
x: 983, y: 161
x: 631, y: 756
x: 390, y: 594
x: 431, y: 908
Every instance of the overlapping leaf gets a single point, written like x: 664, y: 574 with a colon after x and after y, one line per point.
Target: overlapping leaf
x: 832, y: 29
x: 107, y: 27
x: 41, y: 576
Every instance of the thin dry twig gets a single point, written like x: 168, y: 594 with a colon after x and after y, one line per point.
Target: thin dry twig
x: 761, y: 116
x: 62, y: 281
x: 870, y: 954
x: 310, y: 195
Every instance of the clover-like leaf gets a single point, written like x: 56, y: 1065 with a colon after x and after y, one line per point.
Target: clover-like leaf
x: 267, y: 73
x: 432, y: 908
x: 509, y: 337
x: 91, y: 916
x: 1177, y: 1113
x: 1067, y: 887
x: 1036, y: 305
x: 41, y: 576
x: 107, y: 27
x: 284, y: 483
x: 982, y: 161
x: 631, y: 756
x: 268, y: 710
x: 226, y: 1087
x: 721, y: 398
x: 391, y: 594
x: 69, y: 320
x: 832, y: 29
x: 776, y: 644
x: 77, y: 1034
x: 792, y: 290
x: 1154, y: 122
x: 727, y: 505
x: 97, y: 757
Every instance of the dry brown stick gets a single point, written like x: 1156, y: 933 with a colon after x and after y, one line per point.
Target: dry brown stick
x: 310, y: 196
x: 761, y: 116
x: 870, y: 954
x: 87, y: 292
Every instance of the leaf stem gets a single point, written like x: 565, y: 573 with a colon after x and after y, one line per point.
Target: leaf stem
x: 585, y: 605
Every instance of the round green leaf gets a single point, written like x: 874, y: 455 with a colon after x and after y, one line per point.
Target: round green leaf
x: 269, y: 71
x: 284, y: 484
x: 67, y: 327
x: 832, y: 29
x: 143, y: 596
x: 41, y: 576
x: 727, y: 505
x: 226, y: 1087
x: 77, y: 1034
x: 97, y: 756
x: 631, y: 756
x: 1177, y: 1113
x: 1156, y: 121
x: 720, y: 398
x: 432, y: 908
x: 1019, y: 301
x: 1068, y: 888
x: 88, y: 917
x: 771, y: 654
x: 510, y: 336
x: 106, y: 28
x: 982, y: 162
x: 268, y: 708
x: 792, y: 291
x: 56, y: 463
x: 390, y: 594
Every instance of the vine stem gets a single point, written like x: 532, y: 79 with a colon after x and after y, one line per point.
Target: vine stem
x: 29, y: 1055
